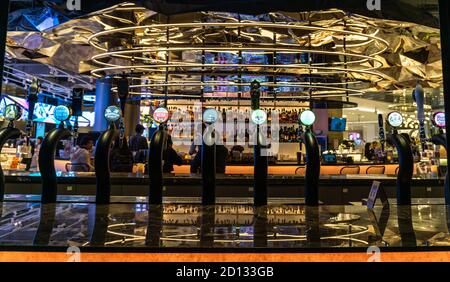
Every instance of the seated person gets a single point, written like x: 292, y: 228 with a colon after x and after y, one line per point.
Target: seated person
x: 81, y: 158
x: 377, y: 152
x: 170, y: 157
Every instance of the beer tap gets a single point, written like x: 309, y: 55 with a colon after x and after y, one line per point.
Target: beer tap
x: 255, y: 94
x: 381, y: 133
x: 208, y: 157
x: 405, y: 158
x: 46, y: 158
x: 300, y: 133
x: 102, y: 153
x: 122, y: 89
x: 312, y: 172
x: 158, y: 144
x: 12, y: 113
x: 258, y: 118
x: 32, y: 98
x: 440, y: 139
x: 77, y: 110
x: 418, y: 97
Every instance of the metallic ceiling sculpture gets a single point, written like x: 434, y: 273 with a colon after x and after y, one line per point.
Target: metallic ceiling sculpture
x: 294, y: 55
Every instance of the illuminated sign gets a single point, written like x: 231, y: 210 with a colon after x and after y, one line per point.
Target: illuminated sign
x: 307, y: 118
x: 112, y: 113
x: 12, y: 112
x: 395, y: 119
x: 161, y: 115
x: 61, y: 113
x: 439, y: 119
x: 210, y: 116
x: 259, y: 117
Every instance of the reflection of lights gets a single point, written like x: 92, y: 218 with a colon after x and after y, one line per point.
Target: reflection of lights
x: 123, y: 234
x: 241, y: 237
x: 123, y: 241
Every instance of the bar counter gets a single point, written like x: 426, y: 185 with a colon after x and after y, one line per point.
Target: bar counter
x: 222, y: 228
x: 289, y: 169
x: 334, y: 189
x: 281, y: 168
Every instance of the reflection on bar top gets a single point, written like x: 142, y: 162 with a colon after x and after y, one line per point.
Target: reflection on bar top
x: 188, y: 226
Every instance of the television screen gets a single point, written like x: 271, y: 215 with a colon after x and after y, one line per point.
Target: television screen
x: 338, y: 124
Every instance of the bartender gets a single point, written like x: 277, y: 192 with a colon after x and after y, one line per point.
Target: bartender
x: 197, y: 159
x: 139, y: 145
x: 221, y: 158
x: 170, y: 157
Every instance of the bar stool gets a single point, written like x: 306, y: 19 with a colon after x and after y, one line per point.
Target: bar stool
x: 300, y: 170
x: 375, y: 169
x: 350, y: 170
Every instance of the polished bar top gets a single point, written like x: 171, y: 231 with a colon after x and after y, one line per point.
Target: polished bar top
x: 225, y: 179
x: 225, y: 227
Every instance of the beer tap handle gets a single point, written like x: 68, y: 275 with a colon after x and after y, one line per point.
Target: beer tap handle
x: 123, y: 92
x: 418, y: 97
x: 121, y: 131
x: 32, y: 98
x: 381, y: 131
x: 255, y: 94
x: 75, y: 130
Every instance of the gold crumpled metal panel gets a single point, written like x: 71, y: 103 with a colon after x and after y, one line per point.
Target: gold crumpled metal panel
x: 413, y: 53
